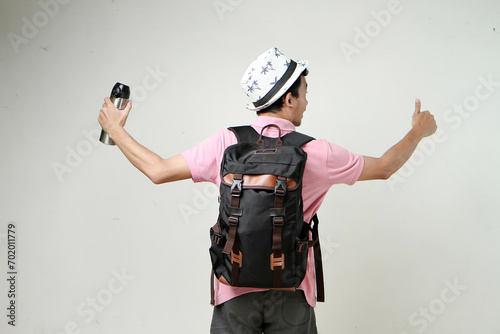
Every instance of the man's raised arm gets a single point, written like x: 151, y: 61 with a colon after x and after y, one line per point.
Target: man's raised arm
x: 157, y: 169
x: 423, y: 125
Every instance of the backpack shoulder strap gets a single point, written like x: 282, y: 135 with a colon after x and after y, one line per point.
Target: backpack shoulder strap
x: 295, y: 138
x: 245, y: 133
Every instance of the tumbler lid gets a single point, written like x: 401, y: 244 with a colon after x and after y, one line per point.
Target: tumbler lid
x: 120, y: 91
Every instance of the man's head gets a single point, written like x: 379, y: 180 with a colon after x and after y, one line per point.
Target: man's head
x: 292, y: 104
x: 274, y: 82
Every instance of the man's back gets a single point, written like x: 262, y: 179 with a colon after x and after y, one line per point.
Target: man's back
x: 327, y: 164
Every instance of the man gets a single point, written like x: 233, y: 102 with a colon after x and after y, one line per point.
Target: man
x: 276, y: 86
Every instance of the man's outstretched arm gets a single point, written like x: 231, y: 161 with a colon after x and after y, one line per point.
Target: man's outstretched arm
x: 423, y: 125
x: 157, y: 169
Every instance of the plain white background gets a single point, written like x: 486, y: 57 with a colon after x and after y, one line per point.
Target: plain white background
x: 100, y: 249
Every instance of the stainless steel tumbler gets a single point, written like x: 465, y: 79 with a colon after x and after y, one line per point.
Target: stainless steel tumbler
x: 119, y: 96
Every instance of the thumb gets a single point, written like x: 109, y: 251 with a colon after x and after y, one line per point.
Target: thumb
x: 417, y: 106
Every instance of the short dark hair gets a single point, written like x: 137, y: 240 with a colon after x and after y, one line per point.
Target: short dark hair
x: 278, y: 104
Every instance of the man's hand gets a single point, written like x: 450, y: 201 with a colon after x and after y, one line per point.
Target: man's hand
x: 111, y: 118
x: 423, y: 125
x: 423, y: 122
x: 158, y: 170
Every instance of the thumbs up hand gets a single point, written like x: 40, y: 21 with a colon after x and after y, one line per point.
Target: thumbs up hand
x: 423, y: 121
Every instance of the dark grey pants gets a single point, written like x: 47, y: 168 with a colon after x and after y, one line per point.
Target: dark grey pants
x: 269, y: 312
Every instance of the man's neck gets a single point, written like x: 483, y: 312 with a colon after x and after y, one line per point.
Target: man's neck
x: 280, y: 114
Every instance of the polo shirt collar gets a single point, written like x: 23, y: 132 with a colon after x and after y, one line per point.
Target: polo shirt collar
x: 284, y: 124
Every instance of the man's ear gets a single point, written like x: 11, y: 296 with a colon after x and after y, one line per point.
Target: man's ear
x: 287, y: 99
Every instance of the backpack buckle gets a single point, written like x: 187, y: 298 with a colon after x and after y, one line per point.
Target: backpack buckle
x: 277, y: 262
x: 302, y: 246
x: 236, y: 258
x: 280, y: 188
x: 218, y: 238
x: 236, y: 187
x: 233, y: 221
x: 278, y: 221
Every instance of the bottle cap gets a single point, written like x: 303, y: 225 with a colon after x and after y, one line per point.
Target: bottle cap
x: 120, y: 91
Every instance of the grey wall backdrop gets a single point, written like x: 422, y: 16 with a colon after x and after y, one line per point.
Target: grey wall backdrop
x: 100, y: 249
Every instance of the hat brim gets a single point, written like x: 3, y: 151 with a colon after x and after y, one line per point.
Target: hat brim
x: 301, y: 66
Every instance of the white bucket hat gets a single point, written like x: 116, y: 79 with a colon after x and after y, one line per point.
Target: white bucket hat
x: 268, y: 77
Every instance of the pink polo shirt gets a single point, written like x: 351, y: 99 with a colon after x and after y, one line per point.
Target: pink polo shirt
x: 327, y: 164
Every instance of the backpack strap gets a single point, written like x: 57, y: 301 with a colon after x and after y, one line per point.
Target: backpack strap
x: 278, y: 217
x: 304, y: 246
x: 295, y: 138
x: 235, y: 212
x: 318, y: 262
x: 212, y: 288
x: 246, y: 133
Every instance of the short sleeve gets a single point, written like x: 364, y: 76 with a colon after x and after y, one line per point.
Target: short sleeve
x: 327, y: 164
x: 343, y: 166
x: 205, y: 158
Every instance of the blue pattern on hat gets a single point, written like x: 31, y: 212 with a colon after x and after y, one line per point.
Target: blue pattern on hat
x: 253, y: 86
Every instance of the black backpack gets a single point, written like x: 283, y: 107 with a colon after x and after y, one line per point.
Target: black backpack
x: 260, y: 239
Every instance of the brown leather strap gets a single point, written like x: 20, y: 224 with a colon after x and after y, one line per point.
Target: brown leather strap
x: 231, y: 237
x: 277, y: 257
x: 236, y: 261
x: 231, y: 247
x: 277, y: 235
x: 303, y: 246
x: 277, y: 266
x: 218, y: 237
x: 234, y: 213
x: 279, y: 142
